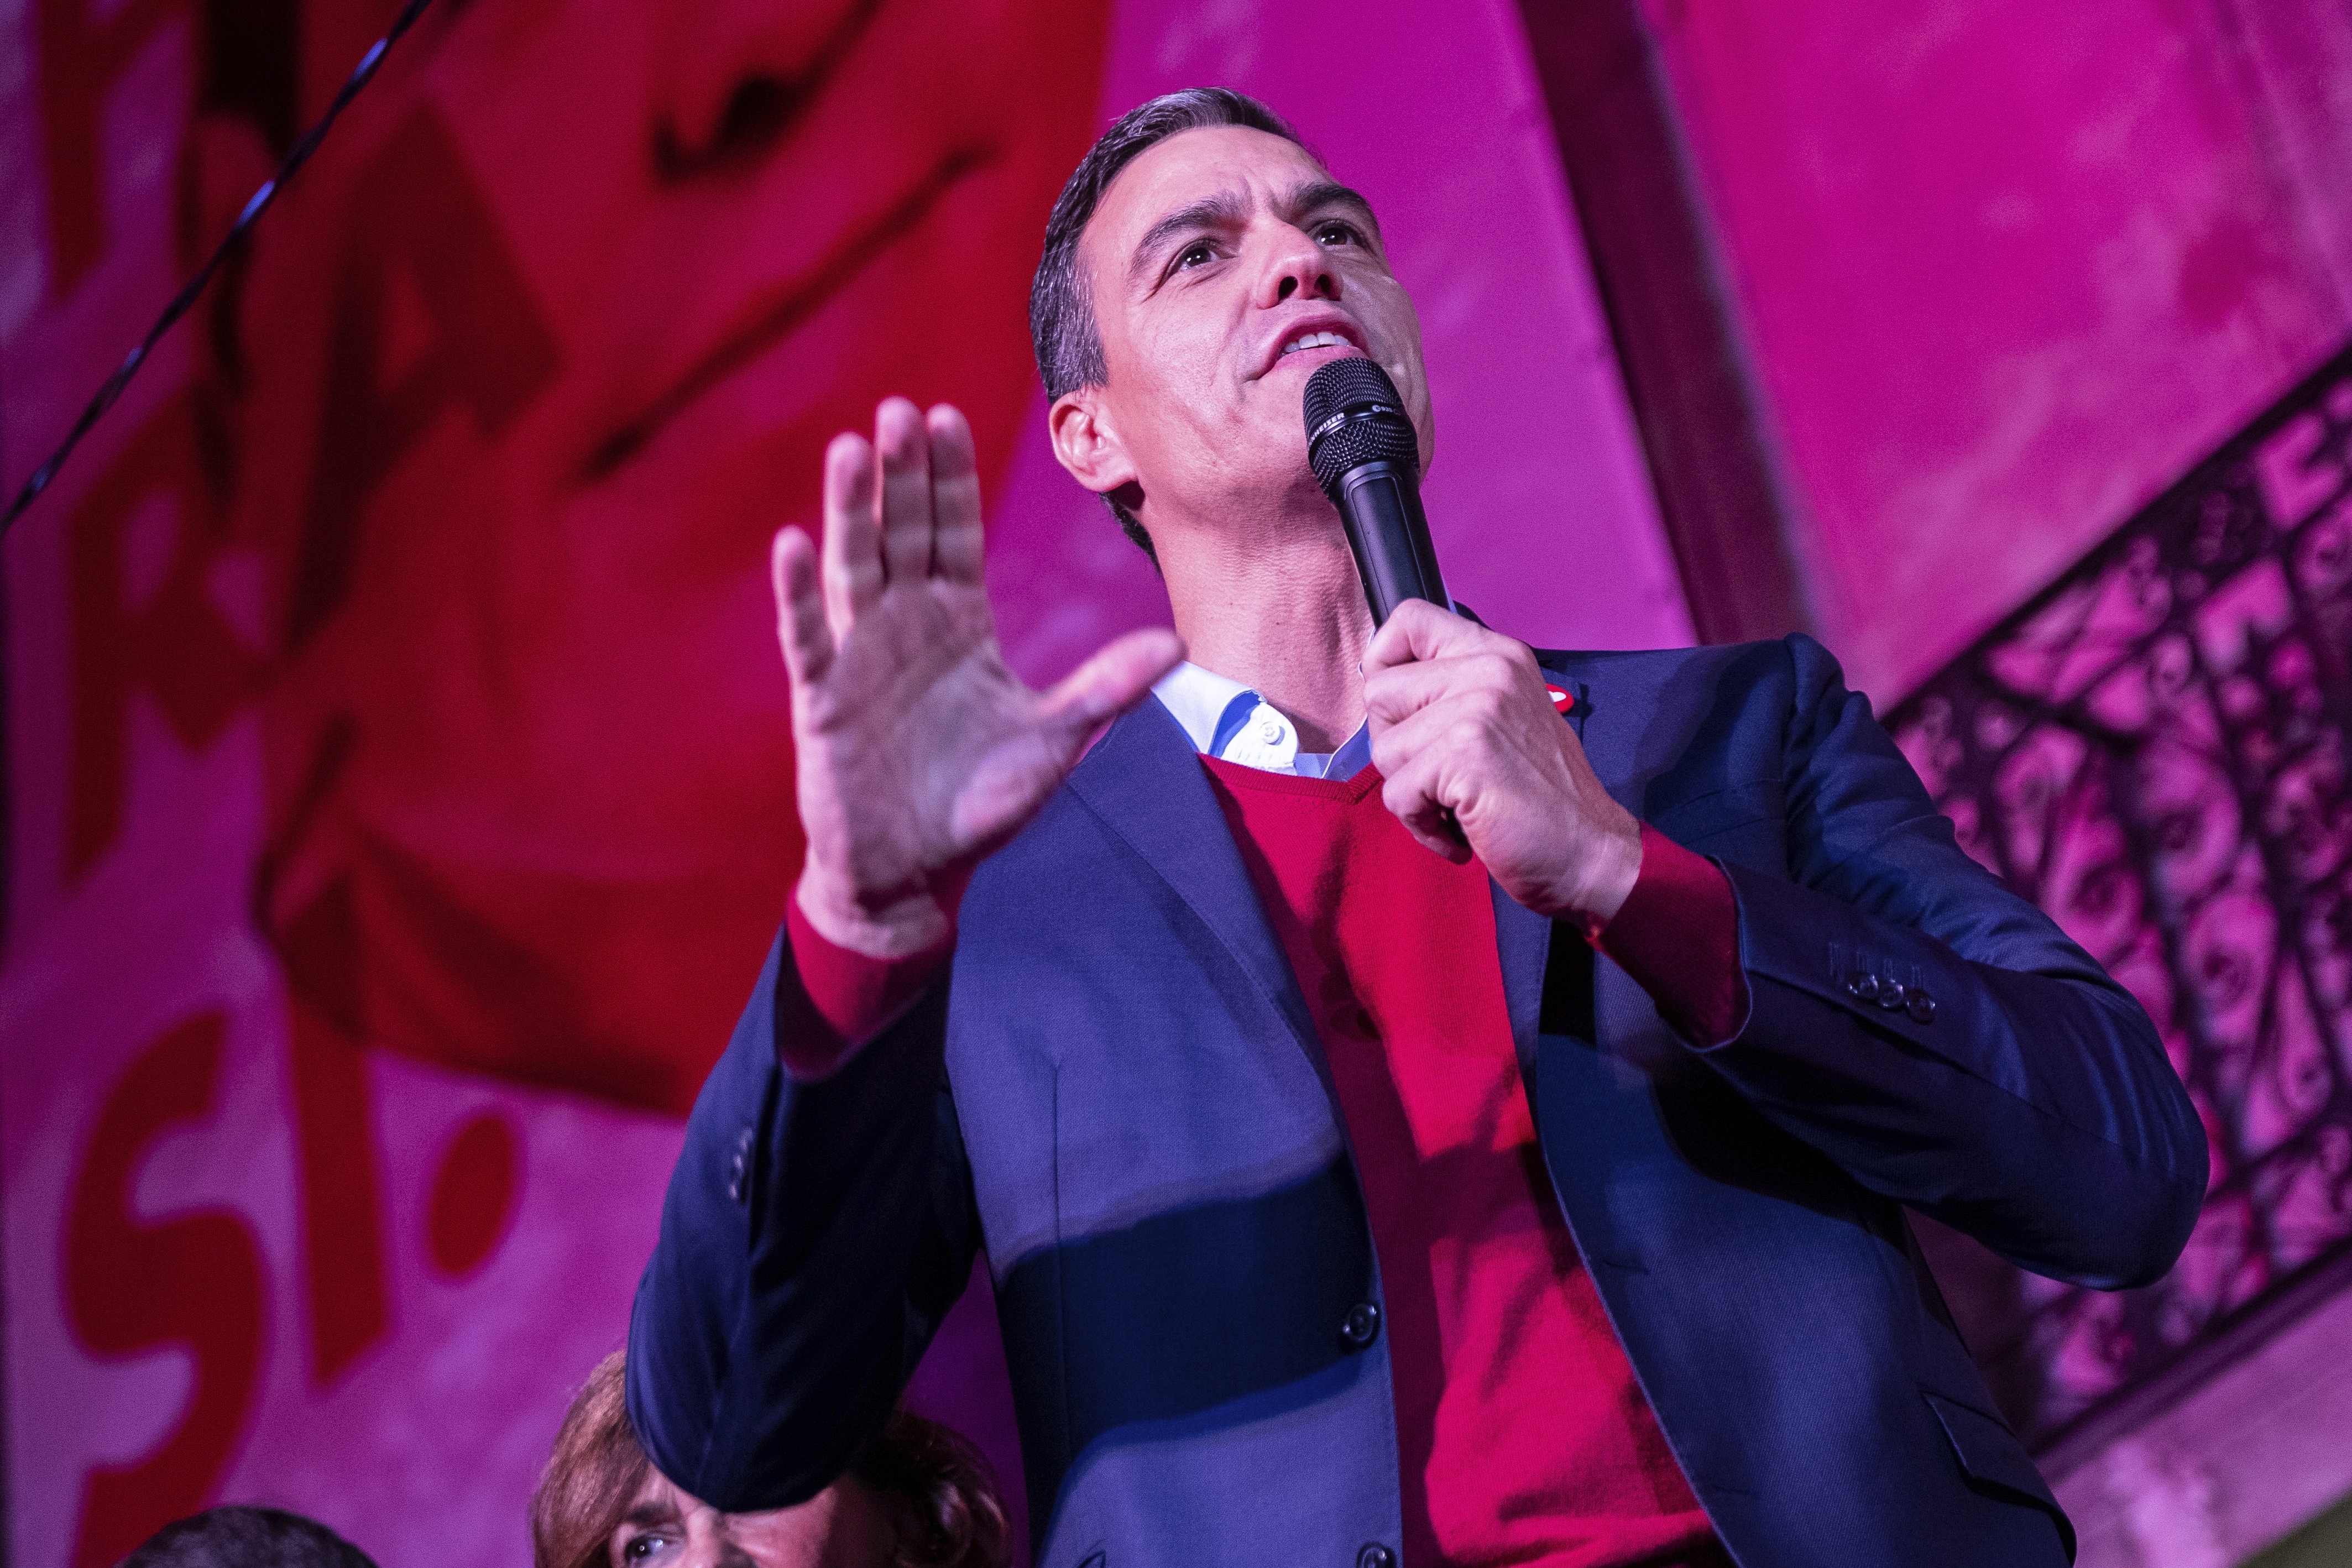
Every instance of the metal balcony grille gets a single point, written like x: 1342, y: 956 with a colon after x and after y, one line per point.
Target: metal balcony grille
x: 2154, y: 751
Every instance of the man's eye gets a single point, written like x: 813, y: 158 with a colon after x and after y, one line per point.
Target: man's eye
x: 641, y: 1547
x: 1196, y: 253
x: 1337, y: 232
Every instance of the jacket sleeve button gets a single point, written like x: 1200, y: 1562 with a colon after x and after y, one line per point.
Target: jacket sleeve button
x: 1362, y: 1327
x: 1865, y: 988
x: 1890, y: 995
x: 1921, y: 1007
x: 738, y: 1170
x: 1375, y: 1555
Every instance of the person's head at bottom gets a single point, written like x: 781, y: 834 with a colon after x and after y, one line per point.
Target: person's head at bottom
x: 920, y: 1497
x: 238, y: 1536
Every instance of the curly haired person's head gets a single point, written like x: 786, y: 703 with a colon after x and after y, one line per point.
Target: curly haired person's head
x: 920, y: 1497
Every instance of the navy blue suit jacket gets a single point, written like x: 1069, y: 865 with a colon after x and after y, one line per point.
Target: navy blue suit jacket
x: 1118, y: 1091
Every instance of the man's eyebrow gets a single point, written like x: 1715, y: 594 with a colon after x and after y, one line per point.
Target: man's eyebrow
x: 1219, y: 210
x: 1319, y: 194
x: 1223, y: 209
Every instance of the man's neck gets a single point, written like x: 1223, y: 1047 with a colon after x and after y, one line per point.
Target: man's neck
x: 1281, y: 611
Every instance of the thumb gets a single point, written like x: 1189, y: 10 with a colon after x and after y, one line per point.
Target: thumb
x: 1114, y: 680
x: 1015, y: 779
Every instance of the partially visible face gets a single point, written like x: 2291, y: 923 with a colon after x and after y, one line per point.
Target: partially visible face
x: 546, y: 346
x: 1215, y: 257
x: 841, y: 1526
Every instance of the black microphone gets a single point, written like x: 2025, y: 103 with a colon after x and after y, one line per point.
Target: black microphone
x: 1366, y: 457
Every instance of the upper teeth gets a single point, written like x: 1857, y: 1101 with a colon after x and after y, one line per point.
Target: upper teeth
x: 1316, y: 340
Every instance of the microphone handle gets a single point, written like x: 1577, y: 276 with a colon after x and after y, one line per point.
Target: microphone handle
x: 1379, y: 504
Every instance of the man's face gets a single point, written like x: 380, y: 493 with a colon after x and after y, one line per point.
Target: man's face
x: 1226, y: 265
x: 546, y: 347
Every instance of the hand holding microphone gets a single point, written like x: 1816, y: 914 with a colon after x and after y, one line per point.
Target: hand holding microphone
x: 1476, y: 757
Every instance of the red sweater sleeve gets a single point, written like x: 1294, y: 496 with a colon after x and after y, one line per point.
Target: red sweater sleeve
x: 1678, y: 936
x: 849, y: 997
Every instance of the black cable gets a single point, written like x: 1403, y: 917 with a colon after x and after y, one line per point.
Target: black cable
x: 187, y: 297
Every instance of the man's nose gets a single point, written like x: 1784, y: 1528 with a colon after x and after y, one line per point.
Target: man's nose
x: 708, y: 1545
x: 737, y: 74
x: 1295, y: 268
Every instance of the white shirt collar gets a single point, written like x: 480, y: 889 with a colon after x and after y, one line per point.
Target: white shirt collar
x: 1211, y: 708
x: 1197, y: 699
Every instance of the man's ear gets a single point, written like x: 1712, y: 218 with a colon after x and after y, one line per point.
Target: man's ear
x: 1087, y: 441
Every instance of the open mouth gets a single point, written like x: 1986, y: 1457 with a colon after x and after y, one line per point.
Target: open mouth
x: 1305, y: 341
x: 851, y: 255
x: 1321, y: 331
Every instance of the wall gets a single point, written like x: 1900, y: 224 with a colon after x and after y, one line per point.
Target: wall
x: 2008, y: 270
x: 2005, y: 273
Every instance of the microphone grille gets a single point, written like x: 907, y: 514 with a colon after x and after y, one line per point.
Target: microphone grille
x: 1354, y: 415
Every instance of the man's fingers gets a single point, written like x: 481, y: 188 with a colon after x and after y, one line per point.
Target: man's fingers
x: 1418, y: 629
x: 853, y: 538
x: 956, y: 545
x: 1001, y: 796
x: 905, y: 447
x: 1398, y: 692
x: 1417, y: 758
x: 1109, y: 683
x: 1412, y: 796
x: 801, y: 626
x: 1397, y: 746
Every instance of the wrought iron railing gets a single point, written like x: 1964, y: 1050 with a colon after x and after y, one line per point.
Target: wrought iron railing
x: 2154, y: 751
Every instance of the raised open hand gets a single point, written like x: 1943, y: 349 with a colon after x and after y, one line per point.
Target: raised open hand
x: 919, y: 751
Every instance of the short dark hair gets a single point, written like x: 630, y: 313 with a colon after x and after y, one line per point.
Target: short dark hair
x: 1062, y: 325
x: 242, y: 1537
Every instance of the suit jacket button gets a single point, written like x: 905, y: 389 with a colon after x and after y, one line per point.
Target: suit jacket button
x: 1890, y: 995
x: 1865, y: 988
x: 1921, y: 1007
x: 1362, y: 1326
x: 738, y: 1170
x: 1375, y: 1555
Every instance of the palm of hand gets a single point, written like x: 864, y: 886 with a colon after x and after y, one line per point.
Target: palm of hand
x: 919, y: 751
x: 919, y: 748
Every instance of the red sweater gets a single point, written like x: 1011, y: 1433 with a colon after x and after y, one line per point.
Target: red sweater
x: 1523, y: 1438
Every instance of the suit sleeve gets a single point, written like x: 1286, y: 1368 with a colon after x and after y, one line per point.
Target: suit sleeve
x: 814, y: 1236
x: 2016, y: 1091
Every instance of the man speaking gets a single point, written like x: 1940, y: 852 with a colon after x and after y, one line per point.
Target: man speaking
x: 1422, y: 1100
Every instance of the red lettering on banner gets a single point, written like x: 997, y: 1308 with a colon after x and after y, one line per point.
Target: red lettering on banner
x: 171, y: 642
x: 134, y: 1286
x: 422, y: 243
x: 343, y: 1224
x: 474, y: 1192
x: 342, y: 1228
x: 80, y: 57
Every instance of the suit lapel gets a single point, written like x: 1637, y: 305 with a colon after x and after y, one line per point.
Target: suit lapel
x: 1522, y: 937
x: 1522, y: 942
x: 1145, y: 781
x: 1600, y: 722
